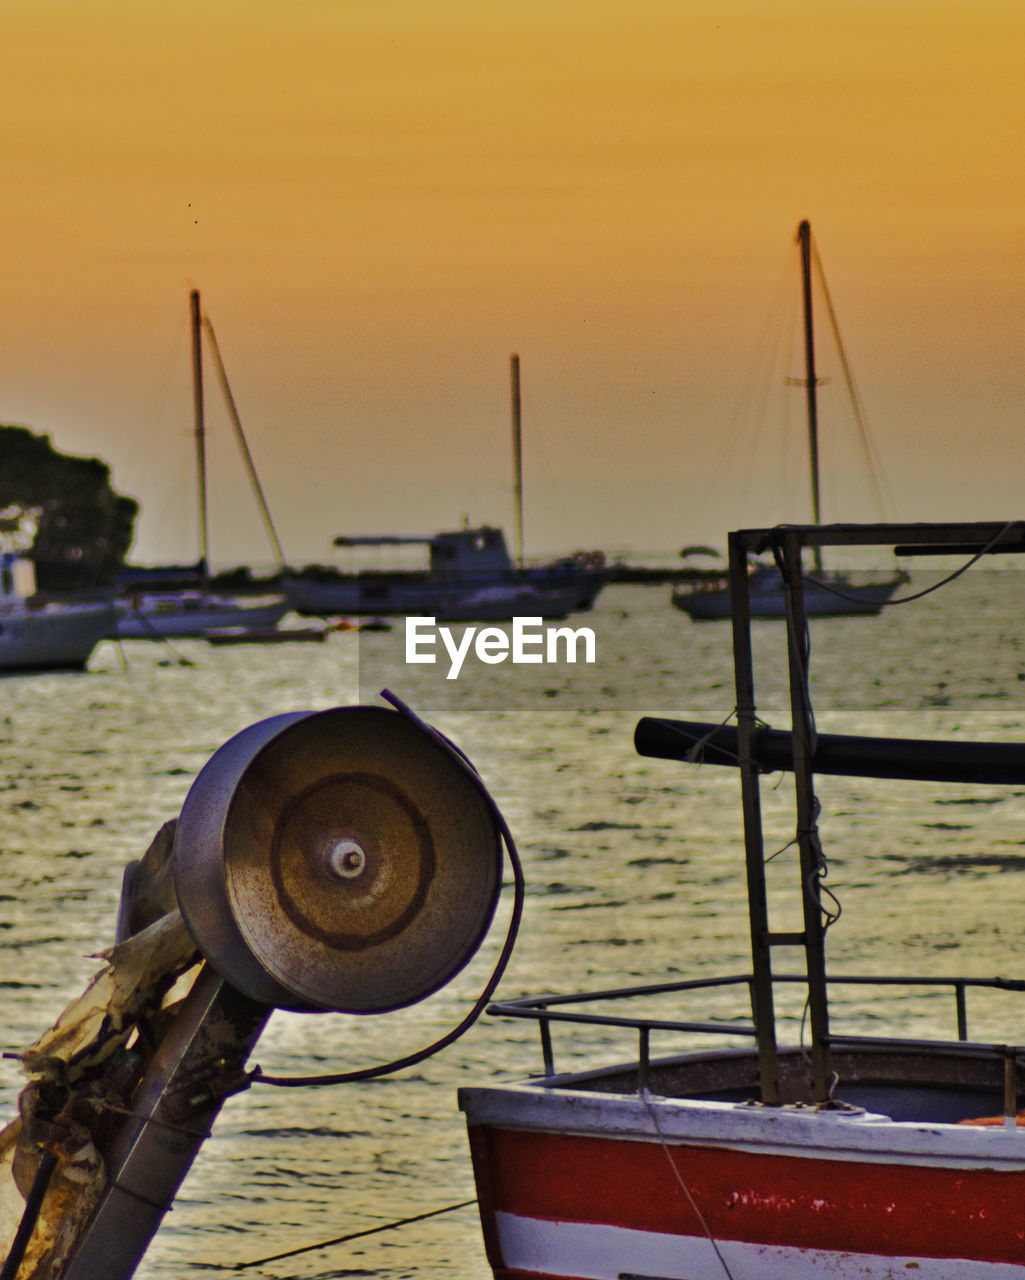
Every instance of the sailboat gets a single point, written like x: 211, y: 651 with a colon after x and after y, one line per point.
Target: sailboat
x: 825, y: 593
x: 37, y: 634
x: 195, y: 610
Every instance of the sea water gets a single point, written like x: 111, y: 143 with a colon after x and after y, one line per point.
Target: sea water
x: 634, y: 872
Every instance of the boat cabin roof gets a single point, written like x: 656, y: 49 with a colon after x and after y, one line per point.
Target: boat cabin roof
x: 481, y: 549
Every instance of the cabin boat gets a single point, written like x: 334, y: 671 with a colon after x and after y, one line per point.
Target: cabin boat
x: 469, y: 576
x: 41, y: 635
x: 840, y: 1156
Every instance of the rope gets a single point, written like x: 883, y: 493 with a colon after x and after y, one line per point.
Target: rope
x: 696, y: 753
x: 814, y: 885
x: 789, y: 845
x: 800, y: 649
x: 460, y: 1029
x: 1011, y: 524
x: 926, y: 591
x: 326, y: 1244
x: 155, y: 635
x: 686, y: 1190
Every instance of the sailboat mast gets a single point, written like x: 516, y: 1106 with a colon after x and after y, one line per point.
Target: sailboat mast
x: 517, y: 456
x: 200, y: 430
x: 810, y: 380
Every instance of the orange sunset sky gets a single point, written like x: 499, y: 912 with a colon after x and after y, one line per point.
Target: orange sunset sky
x: 379, y: 202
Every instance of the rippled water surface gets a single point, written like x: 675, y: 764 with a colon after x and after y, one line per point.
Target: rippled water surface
x: 634, y: 871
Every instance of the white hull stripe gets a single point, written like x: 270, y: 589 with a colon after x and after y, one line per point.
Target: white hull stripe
x: 593, y: 1251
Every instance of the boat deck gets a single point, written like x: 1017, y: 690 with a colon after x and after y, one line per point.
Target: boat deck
x: 925, y: 1080
x: 926, y: 1085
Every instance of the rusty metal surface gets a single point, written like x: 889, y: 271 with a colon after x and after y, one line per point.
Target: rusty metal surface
x: 342, y: 860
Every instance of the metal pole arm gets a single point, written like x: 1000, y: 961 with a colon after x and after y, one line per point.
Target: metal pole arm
x: 196, y: 1066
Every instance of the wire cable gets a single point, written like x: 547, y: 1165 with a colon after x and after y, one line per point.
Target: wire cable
x: 326, y: 1244
x: 686, y: 1190
x: 256, y: 1076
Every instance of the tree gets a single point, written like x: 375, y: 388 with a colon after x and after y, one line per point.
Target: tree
x: 62, y: 512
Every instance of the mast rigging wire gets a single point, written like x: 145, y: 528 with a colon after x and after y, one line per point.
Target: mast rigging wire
x: 868, y: 445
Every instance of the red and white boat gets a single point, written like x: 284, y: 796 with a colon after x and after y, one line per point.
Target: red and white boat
x: 851, y: 1157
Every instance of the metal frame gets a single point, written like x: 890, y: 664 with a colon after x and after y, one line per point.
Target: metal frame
x: 787, y: 544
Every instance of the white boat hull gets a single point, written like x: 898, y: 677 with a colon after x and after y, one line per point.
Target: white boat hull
x: 767, y: 600
x: 54, y: 637
x: 180, y: 619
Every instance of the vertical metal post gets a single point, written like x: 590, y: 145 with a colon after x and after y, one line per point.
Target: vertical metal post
x: 514, y: 367
x: 811, y: 383
x: 962, y: 1011
x: 762, y: 1009
x: 807, y: 831
x: 1010, y: 1087
x: 547, y: 1053
x: 200, y: 428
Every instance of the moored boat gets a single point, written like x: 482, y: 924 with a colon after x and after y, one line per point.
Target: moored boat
x: 843, y: 1155
x: 156, y: 610
x: 832, y: 595
x: 468, y: 574
x: 269, y: 635
x: 41, y: 635
x: 160, y: 615
x: 828, y: 592
x: 470, y: 566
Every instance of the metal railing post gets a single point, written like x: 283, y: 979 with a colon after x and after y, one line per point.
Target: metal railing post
x: 762, y: 1008
x: 811, y: 862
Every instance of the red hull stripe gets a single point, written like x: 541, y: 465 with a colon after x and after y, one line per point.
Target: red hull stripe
x: 859, y: 1207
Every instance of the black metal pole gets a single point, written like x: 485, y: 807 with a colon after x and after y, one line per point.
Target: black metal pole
x: 762, y: 1007
x: 810, y: 378
x: 811, y: 862
x: 838, y: 754
x: 200, y: 429
x: 514, y: 369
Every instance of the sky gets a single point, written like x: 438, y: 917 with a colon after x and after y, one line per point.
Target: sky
x: 380, y: 203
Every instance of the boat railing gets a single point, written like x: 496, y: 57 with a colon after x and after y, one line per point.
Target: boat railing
x: 549, y: 1009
